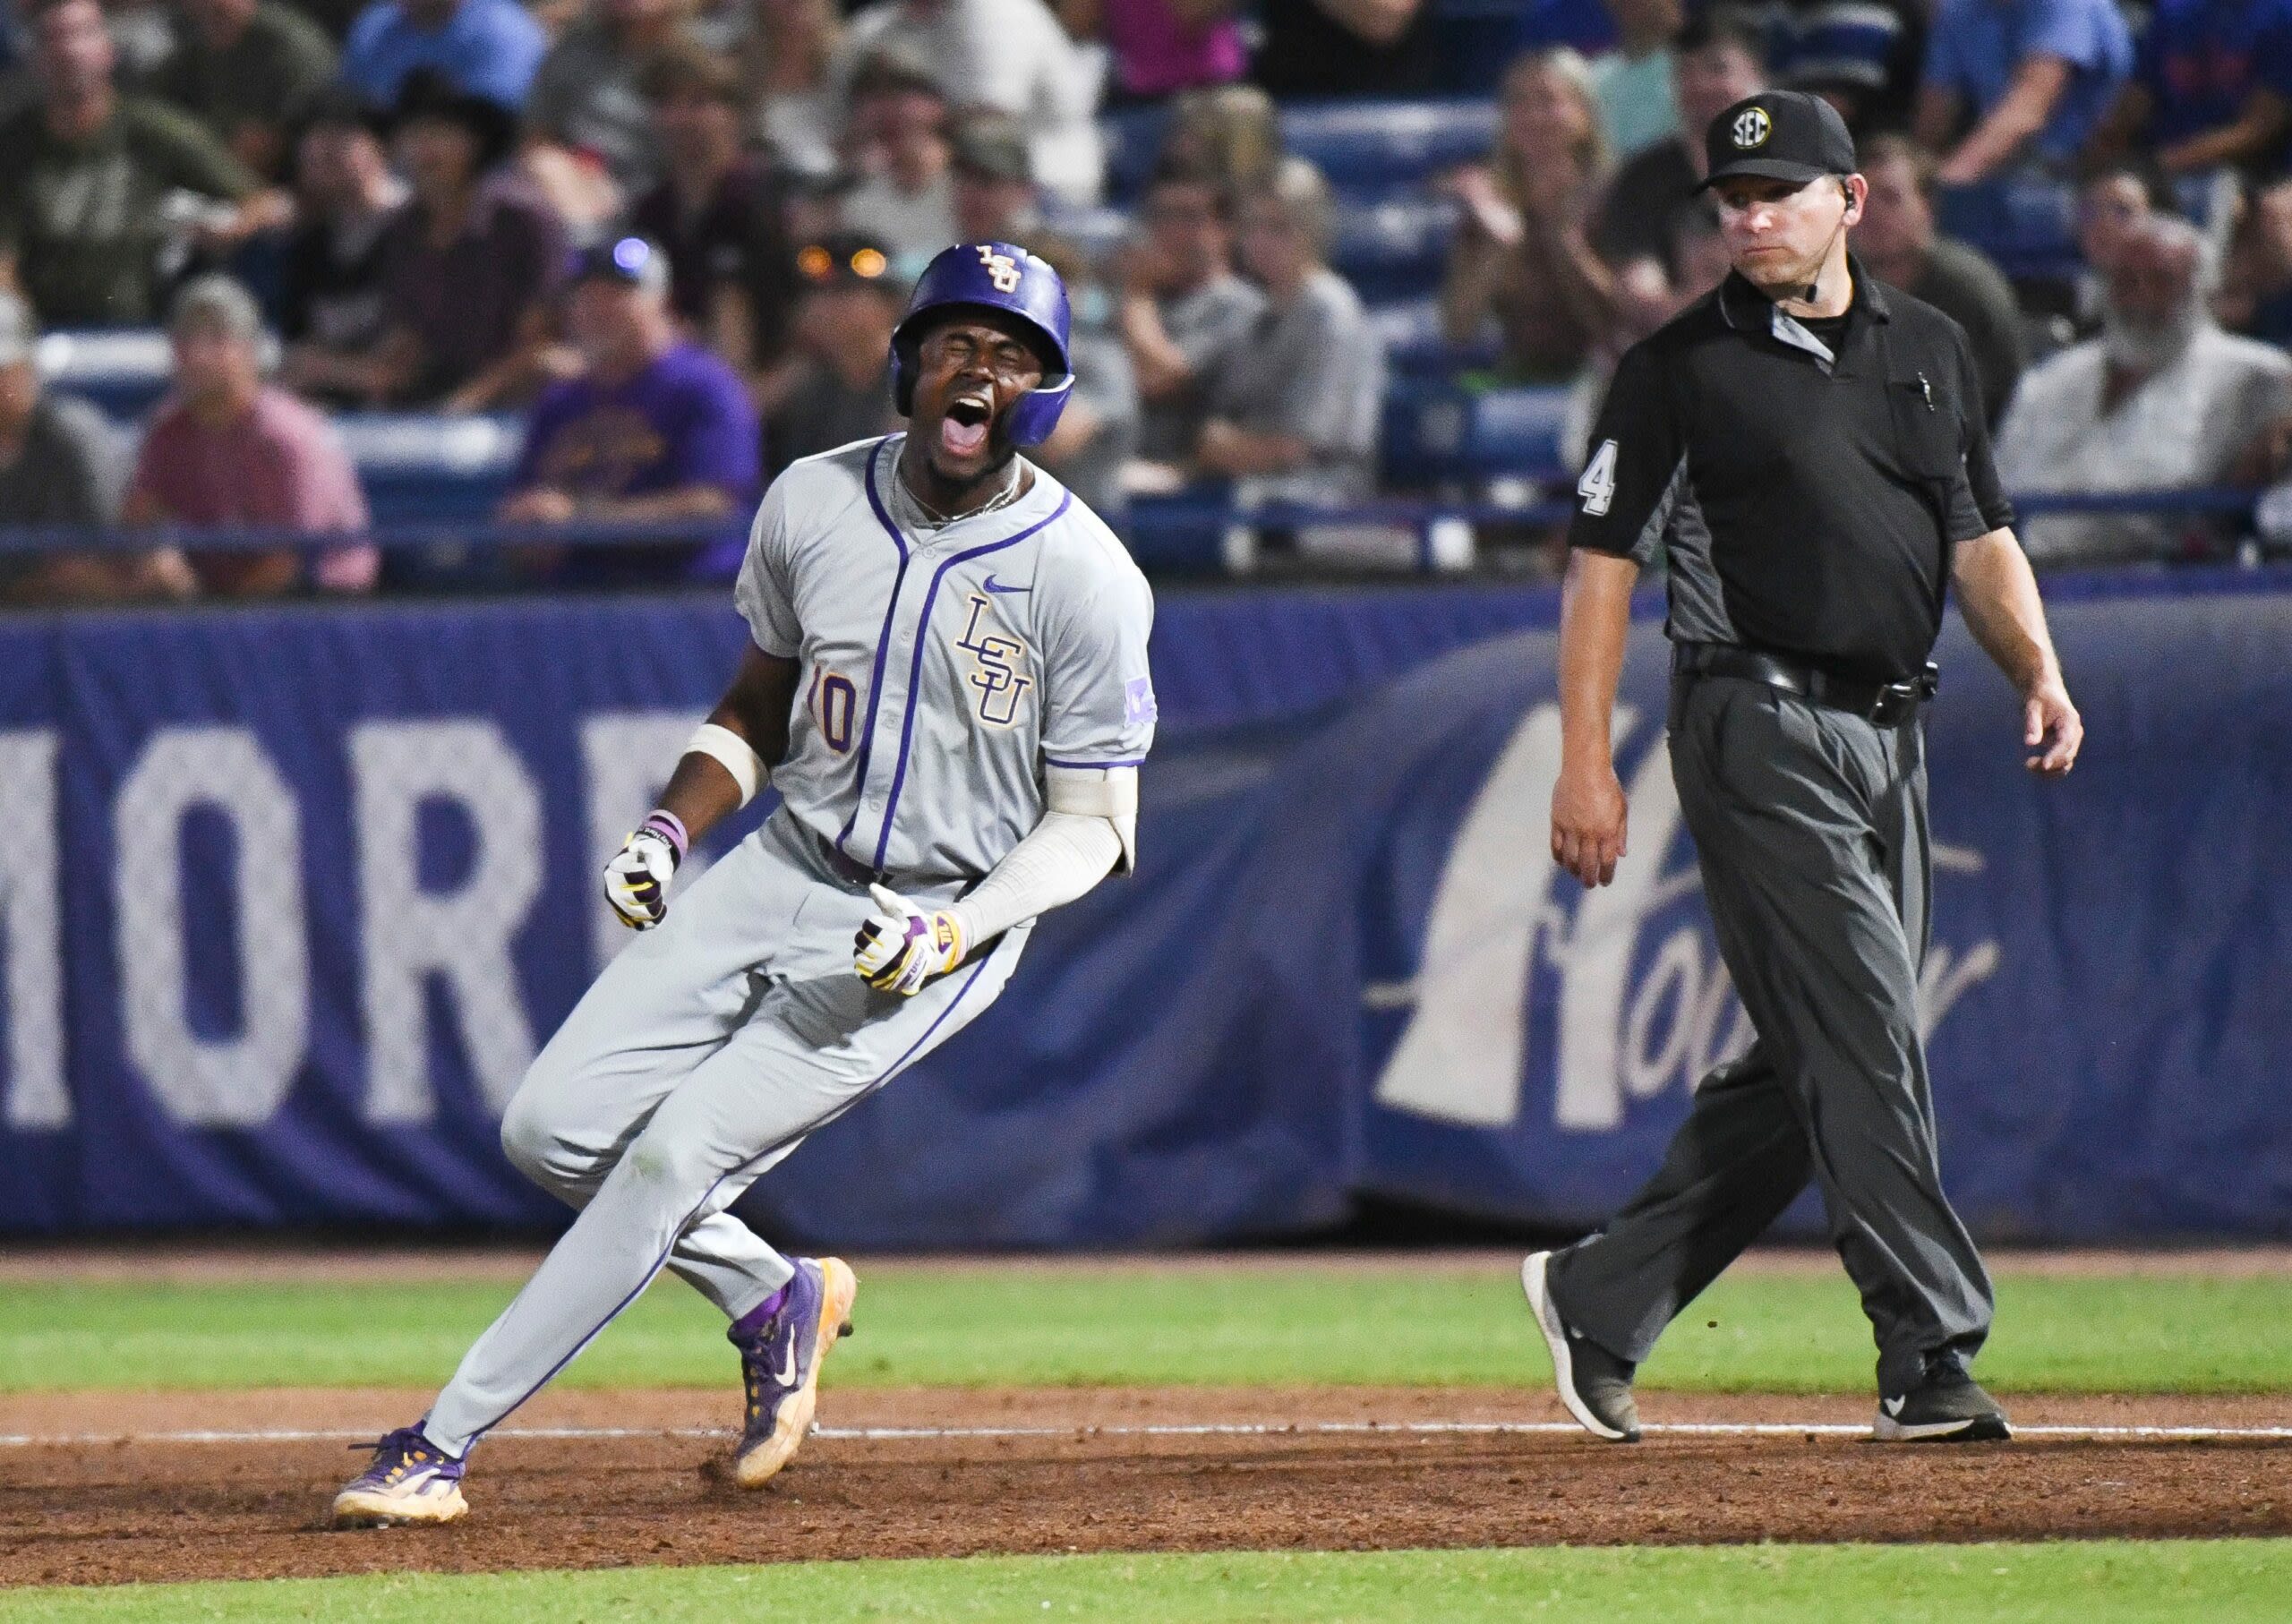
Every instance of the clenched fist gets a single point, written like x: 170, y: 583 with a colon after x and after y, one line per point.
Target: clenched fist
x: 903, y: 946
x: 636, y: 880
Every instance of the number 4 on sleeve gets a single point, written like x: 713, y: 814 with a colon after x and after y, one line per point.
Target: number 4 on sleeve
x: 1597, y: 487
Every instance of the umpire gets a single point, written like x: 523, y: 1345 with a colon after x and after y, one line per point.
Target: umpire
x: 1808, y: 446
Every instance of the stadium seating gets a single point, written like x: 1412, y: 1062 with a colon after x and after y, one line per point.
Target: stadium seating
x: 123, y: 371
x: 1392, y: 242
x: 420, y: 469
x: 1436, y: 434
x: 1183, y: 533
x: 1417, y: 347
x: 1393, y: 250
x: 1098, y: 232
x: 2030, y: 227
x: 1476, y: 39
x: 1361, y: 145
x: 1364, y: 148
x: 1388, y: 248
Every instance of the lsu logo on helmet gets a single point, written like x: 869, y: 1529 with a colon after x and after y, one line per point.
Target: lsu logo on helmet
x: 1002, y: 269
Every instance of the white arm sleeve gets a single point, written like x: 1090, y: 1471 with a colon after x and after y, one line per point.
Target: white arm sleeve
x: 1064, y: 855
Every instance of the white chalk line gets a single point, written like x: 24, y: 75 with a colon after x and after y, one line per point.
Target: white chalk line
x: 1270, y: 1429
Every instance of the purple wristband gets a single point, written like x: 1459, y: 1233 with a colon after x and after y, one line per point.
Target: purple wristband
x: 670, y: 827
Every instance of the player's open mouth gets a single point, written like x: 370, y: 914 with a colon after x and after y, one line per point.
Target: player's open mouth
x: 963, y: 430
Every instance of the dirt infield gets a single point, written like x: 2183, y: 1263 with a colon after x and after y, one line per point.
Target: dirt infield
x: 943, y: 1474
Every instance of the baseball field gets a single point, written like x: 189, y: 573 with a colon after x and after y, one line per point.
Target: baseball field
x: 1278, y: 1436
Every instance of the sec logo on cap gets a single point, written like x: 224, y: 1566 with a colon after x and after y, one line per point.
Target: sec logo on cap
x: 1752, y: 127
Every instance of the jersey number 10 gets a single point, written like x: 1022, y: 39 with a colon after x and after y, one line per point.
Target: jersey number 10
x: 834, y: 700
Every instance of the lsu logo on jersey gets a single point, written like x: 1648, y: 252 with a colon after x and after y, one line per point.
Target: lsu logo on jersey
x: 997, y: 663
x: 1002, y: 269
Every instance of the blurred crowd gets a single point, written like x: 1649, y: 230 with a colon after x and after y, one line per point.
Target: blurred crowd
x: 674, y: 235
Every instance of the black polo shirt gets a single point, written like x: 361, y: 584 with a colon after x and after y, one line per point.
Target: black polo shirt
x: 1808, y: 496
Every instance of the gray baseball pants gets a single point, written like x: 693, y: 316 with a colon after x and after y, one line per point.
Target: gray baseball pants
x: 698, y: 1059
x: 1810, y: 829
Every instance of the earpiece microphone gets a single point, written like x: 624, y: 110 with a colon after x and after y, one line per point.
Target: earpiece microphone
x: 1814, y: 288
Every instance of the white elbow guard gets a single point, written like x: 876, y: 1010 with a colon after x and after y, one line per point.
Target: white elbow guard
x: 1107, y: 793
x: 731, y: 752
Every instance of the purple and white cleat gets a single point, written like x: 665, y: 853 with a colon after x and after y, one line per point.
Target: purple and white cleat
x: 410, y: 1480
x: 780, y: 1364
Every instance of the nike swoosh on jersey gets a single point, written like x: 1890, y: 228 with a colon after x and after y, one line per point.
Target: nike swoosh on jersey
x: 996, y: 586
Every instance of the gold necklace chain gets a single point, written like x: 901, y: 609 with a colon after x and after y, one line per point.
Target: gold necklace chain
x: 938, y: 520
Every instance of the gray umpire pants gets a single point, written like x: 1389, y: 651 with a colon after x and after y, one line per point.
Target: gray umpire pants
x: 1811, y: 828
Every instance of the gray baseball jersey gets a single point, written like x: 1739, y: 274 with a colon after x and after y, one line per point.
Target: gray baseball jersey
x: 943, y: 672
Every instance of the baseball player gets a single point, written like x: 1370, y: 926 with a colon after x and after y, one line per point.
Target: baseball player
x: 948, y: 687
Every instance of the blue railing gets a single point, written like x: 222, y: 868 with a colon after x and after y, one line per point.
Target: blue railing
x: 1191, y: 533
x: 390, y: 537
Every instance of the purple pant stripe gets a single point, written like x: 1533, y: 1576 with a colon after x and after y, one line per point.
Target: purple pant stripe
x: 883, y: 647
x: 660, y: 1262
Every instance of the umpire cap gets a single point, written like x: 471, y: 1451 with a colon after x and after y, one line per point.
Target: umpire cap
x: 1781, y: 135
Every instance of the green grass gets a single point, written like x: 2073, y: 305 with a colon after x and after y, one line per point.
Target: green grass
x: 1408, y: 1322
x: 2220, y: 1582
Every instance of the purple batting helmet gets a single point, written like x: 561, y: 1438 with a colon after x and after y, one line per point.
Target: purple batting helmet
x: 991, y: 276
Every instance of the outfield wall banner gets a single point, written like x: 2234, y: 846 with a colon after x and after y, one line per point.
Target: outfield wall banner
x: 291, y: 897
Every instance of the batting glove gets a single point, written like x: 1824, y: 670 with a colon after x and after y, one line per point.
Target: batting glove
x: 902, y: 947
x: 636, y: 880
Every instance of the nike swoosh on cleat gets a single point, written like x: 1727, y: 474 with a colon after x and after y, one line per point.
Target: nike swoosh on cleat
x: 996, y: 586
x: 1893, y: 1406
x: 786, y: 1377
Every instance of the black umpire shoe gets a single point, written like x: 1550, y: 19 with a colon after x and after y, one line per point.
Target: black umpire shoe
x: 1949, y: 1407
x: 1593, y: 1383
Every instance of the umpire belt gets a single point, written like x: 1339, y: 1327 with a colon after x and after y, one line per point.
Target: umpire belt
x: 1883, y: 703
